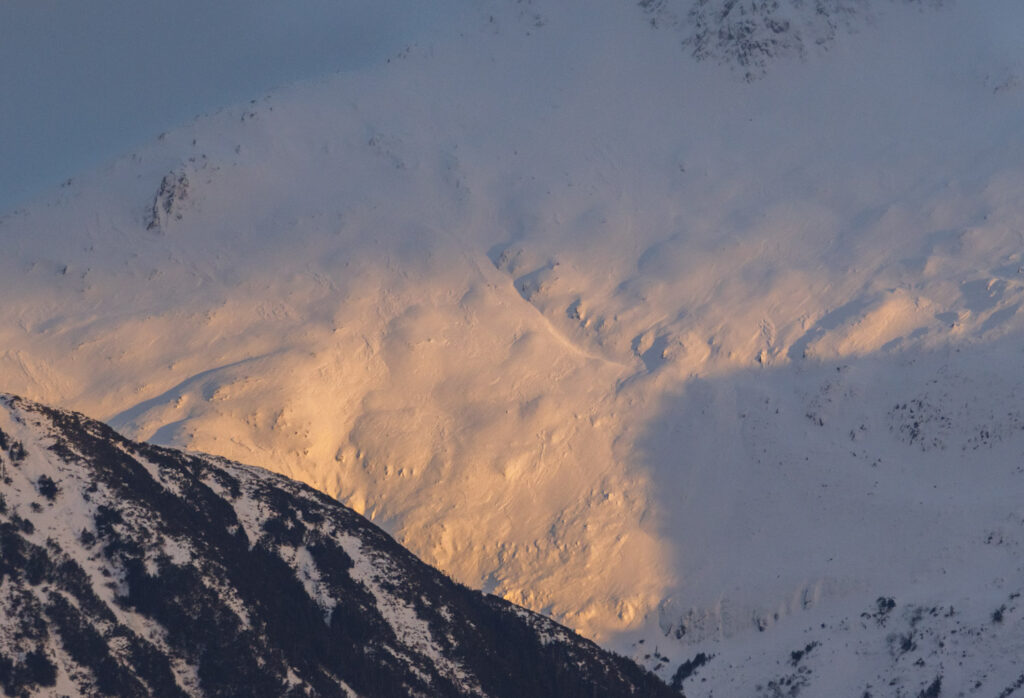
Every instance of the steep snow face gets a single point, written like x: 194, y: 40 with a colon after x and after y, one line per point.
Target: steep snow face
x: 133, y: 570
x: 584, y: 322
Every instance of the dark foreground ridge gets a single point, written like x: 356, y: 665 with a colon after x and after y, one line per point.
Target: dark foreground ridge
x: 132, y: 570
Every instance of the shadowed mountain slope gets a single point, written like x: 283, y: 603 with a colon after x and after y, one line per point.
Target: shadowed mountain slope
x: 132, y: 570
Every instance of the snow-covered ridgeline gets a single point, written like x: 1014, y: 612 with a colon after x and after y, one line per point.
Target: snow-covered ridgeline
x: 125, y: 573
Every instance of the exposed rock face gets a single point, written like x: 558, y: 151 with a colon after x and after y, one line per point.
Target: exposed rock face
x: 168, y: 201
x: 751, y: 34
x: 132, y: 570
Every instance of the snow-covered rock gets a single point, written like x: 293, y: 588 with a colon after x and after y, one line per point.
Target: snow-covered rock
x: 132, y: 570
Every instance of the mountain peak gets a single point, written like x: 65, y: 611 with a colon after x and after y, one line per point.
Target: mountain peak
x: 129, y: 569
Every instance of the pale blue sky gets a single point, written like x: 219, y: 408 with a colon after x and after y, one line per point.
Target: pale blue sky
x: 82, y: 82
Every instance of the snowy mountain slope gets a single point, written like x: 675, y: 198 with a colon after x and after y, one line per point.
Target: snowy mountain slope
x: 133, y: 570
x: 896, y: 477
x: 531, y: 295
